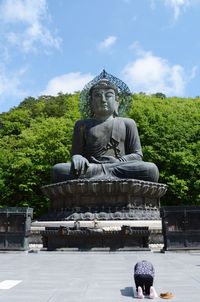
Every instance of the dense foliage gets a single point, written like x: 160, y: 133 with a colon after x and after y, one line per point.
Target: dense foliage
x: 33, y: 137
x: 170, y: 135
x: 37, y: 134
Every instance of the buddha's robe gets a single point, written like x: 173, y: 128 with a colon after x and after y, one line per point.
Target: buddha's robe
x: 117, y: 137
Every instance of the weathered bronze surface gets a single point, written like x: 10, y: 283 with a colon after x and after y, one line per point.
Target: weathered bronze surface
x: 105, y: 199
x: 107, y: 178
x: 105, y: 145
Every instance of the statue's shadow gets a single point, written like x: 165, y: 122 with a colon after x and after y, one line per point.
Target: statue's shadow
x: 127, y: 291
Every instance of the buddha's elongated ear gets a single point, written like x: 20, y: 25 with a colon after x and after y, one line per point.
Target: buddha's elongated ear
x: 91, y: 109
x: 116, y: 112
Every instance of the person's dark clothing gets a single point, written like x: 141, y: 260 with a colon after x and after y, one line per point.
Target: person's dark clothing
x: 144, y: 276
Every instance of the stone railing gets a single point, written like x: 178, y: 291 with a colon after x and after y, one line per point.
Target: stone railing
x: 86, y: 238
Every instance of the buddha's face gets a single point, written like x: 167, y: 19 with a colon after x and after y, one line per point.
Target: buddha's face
x: 103, y: 102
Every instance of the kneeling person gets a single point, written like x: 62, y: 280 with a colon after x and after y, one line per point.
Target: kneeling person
x: 144, y: 276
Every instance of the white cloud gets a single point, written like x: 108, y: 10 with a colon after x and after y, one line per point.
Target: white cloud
x: 179, y: 6
x: 10, y: 84
x: 23, y: 10
x: 151, y: 74
x: 67, y: 83
x: 107, y: 43
x: 29, y: 17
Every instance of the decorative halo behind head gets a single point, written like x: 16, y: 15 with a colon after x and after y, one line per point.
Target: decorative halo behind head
x: 107, y: 80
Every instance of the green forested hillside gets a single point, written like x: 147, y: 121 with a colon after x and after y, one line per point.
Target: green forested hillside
x: 37, y: 134
x: 170, y: 135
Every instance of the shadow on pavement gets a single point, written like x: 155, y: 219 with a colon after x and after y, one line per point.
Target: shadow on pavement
x: 127, y: 291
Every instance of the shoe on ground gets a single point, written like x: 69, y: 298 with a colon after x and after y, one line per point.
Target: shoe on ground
x: 140, y: 293
x: 153, y: 293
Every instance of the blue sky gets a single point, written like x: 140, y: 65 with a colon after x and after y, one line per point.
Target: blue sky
x: 49, y: 46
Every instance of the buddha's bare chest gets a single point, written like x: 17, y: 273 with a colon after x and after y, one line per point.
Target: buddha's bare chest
x: 99, y: 133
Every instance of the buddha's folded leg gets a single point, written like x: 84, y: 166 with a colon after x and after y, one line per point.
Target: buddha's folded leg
x: 63, y: 171
x: 60, y: 172
x: 137, y: 170
x: 132, y: 169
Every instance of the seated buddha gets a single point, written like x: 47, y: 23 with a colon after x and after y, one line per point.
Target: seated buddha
x: 105, y: 146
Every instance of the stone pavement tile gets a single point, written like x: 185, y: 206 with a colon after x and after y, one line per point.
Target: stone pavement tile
x: 95, y: 277
x: 29, y: 298
x: 97, y: 295
x: 62, y: 296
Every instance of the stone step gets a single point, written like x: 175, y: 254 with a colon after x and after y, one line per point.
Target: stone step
x: 155, y: 226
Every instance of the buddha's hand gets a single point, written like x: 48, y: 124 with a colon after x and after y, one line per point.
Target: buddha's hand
x: 104, y: 160
x: 79, y: 164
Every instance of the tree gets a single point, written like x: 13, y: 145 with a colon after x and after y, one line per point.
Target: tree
x: 159, y: 95
x: 37, y: 134
x: 169, y: 133
x: 32, y: 141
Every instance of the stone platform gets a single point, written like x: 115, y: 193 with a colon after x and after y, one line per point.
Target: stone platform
x: 88, y: 238
x: 98, y: 201
x: 104, y: 199
x: 154, y: 227
x: 95, y: 276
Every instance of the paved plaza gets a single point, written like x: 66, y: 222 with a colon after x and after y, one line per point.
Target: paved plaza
x: 94, y: 276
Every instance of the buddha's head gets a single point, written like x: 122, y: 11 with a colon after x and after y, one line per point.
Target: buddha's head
x: 104, y: 99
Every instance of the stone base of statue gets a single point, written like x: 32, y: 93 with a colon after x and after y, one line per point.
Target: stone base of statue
x: 101, y: 201
x: 110, y: 199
